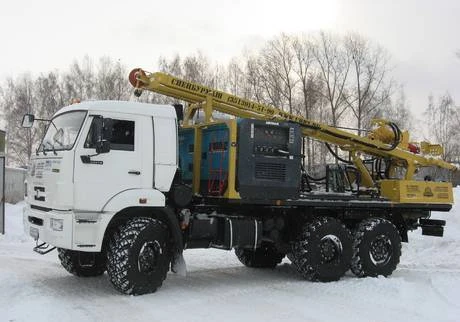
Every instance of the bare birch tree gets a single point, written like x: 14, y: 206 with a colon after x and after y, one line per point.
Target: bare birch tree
x: 48, y: 95
x: 79, y: 81
x: 111, y: 80
x: 253, y: 81
x: 309, y: 85
x: 277, y: 61
x: 443, y: 123
x: 369, y: 87
x: 397, y: 110
x: 173, y: 67
x: 235, y: 79
x: 334, y: 65
x: 17, y: 99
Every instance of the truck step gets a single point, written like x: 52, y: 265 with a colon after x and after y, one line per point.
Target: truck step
x: 432, y: 227
x: 43, y: 248
x: 437, y: 231
x: 432, y: 222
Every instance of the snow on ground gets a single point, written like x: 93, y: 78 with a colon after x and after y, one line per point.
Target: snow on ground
x: 425, y: 287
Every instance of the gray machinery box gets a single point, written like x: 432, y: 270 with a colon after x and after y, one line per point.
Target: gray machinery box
x: 269, y: 159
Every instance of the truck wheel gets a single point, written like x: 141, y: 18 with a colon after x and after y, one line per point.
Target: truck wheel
x: 376, y: 248
x: 323, y: 251
x: 138, y: 256
x: 264, y: 257
x: 82, y: 264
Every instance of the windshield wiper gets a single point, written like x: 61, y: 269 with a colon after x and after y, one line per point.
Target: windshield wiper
x: 38, y: 149
x: 42, y: 144
x: 52, y: 147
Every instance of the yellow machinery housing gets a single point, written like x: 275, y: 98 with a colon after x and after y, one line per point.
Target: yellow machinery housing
x: 410, y: 191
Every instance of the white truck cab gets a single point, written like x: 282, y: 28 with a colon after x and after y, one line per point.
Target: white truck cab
x: 73, y: 192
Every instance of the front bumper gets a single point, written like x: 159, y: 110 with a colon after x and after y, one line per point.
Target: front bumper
x: 67, y: 229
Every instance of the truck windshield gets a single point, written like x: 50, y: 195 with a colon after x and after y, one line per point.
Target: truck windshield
x: 63, y: 131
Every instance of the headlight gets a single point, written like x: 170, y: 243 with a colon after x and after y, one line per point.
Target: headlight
x: 57, y: 224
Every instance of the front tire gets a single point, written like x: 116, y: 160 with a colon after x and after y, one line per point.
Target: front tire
x: 376, y: 248
x: 323, y: 251
x: 82, y: 264
x: 265, y: 256
x: 138, y: 256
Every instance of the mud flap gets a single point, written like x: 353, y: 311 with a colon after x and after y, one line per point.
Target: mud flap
x: 178, y: 265
x: 177, y: 262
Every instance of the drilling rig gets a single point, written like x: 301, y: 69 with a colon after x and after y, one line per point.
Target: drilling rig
x: 149, y: 181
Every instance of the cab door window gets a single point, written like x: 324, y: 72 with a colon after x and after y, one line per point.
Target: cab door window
x: 122, y: 136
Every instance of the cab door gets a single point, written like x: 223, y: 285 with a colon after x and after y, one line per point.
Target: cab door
x: 108, y: 174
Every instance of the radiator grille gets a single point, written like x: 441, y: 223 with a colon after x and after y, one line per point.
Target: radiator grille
x: 270, y: 171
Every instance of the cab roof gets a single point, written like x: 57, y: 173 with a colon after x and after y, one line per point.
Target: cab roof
x: 126, y: 107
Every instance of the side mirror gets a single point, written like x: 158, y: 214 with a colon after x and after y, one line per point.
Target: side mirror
x: 103, y: 131
x: 107, y: 126
x: 102, y: 146
x: 28, y: 120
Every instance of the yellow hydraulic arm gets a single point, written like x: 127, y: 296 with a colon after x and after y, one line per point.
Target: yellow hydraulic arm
x: 209, y: 100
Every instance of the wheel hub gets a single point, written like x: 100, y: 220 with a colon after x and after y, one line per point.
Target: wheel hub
x: 148, y: 257
x: 330, y: 248
x: 380, y: 250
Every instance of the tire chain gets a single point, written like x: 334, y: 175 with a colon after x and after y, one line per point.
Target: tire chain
x: 119, y: 250
x: 301, y: 246
x: 69, y: 260
x: 366, y: 225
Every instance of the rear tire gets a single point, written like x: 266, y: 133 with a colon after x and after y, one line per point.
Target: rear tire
x: 82, y: 264
x: 265, y: 256
x: 376, y: 248
x: 138, y: 256
x: 323, y: 251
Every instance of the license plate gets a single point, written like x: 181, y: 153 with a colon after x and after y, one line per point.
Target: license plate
x: 34, y: 232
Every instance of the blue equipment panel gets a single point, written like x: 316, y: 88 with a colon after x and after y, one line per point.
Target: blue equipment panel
x: 214, y: 155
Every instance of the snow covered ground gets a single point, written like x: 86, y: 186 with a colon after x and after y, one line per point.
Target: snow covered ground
x: 425, y: 287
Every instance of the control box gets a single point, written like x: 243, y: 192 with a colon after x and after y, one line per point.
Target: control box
x: 269, y: 159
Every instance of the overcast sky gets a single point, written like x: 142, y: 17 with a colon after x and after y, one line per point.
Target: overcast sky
x: 39, y: 36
